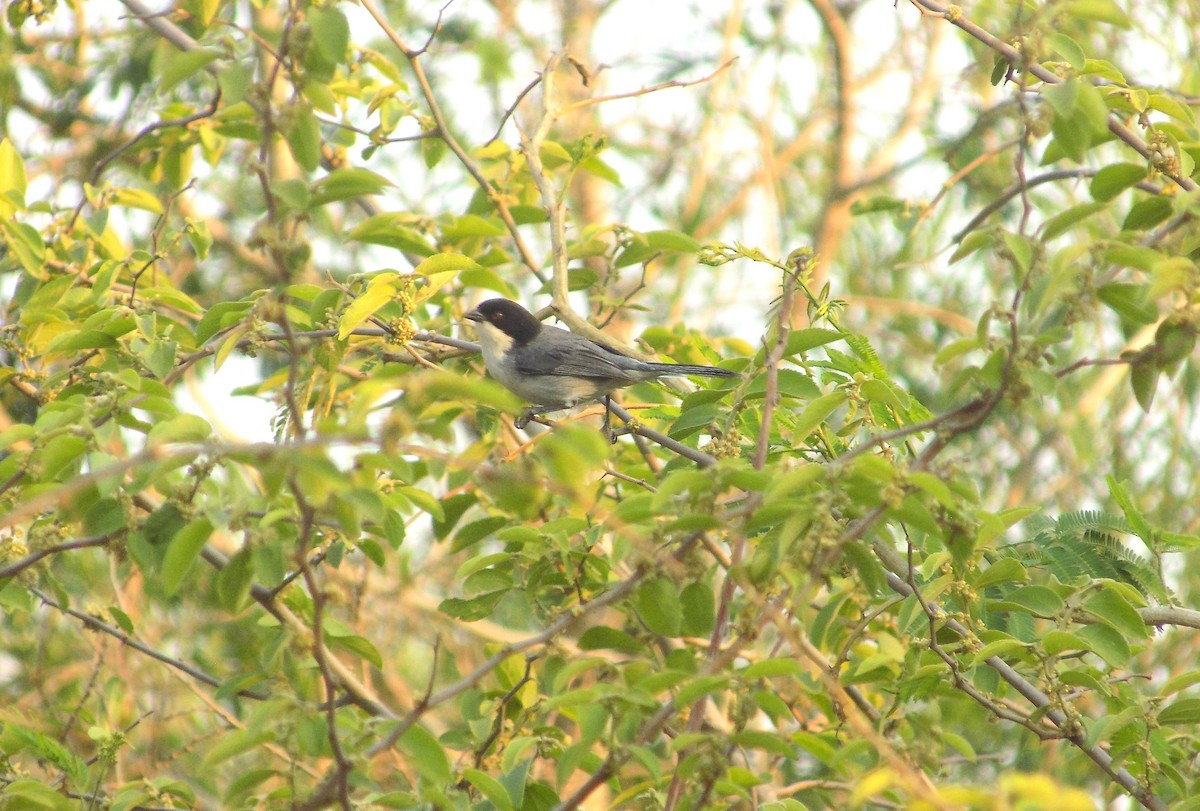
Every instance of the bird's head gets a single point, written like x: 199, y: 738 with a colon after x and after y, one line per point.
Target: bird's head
x: 507, y: 317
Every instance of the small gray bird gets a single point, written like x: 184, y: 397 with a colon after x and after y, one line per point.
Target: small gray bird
x: 556, y: 369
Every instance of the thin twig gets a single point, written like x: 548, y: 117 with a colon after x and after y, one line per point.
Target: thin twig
x: 94, y: 624
x: 443, y: 129
x: 956, y: 18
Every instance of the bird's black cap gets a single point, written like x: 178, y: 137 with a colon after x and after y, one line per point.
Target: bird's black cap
x: 509, y: 317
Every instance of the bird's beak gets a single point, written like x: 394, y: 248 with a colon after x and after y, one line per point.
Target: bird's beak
x: 473, y: 315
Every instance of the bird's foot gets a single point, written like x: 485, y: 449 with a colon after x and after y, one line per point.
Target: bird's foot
x: 524, y: 418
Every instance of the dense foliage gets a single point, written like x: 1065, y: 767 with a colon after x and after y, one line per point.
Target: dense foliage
x: 929, y: 550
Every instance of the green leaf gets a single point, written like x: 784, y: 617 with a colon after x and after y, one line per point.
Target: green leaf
x: 1103, y: 11
x: 182, y: 553
x: 330, y: 33
x: 959, y: 744
x: 772, y: 668
x: 1019, y: 248
x: 432, y: 151
x: 971, y: 243
x: 1131, y: 301
x: 1037, y: 600
x: 440, y: 269
x: 472, y: 225
x: 199, y: 237
x: 1116, y: 178
x: 33, y: 794
x: 489, y: 787
x: 1147, y: 214
x: 473, y: 533
x: 474, y: 609
x: 360, y: 647
x: 235, y: 743
x: 1185, y: 711
x: 391, y: 231
x: 426, y: 755
x: 1062, y: 222
x: 180, y: 428
x: 671, y: 241
x: 658, y: 606
x: 1102, y: 69
x: 293, y: 193
x: 935, y: 487
x: 1004, y: 570
x: 771, y: 742
x: 802, y: 340
x: 1062, y: 97
x: 61, y: 455
x: 1107, y: 643
x: 221, y: 316
x: 234, y: 79
x: 877, y: 203
x: 815, y: 413
x: 159, y: 357
x: 701, y: 686
x: 699, y: 611
x: 1068, y: 49
x: 304, y: 139
x: 595, y: 166
x: 233, y: 581
x: 182, y: 64
x: 1173, y: 108
x: 788, y: 383
x: 1056, y: 642
x: 1000, y: 648
x: 697, y: 418
x: 885, y: 393
x: 344, y: 184
x: 1110, y: 606
x: 999, y: 70
x: 1143, y: 378
x: 601, y: 637
x: 84, y: 339
x: 26, y: 245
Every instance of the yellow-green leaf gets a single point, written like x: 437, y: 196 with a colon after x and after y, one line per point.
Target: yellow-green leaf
x: 440, y: 269
x: 12, y: 180
x: 380, y: 290
x: 137, y: 198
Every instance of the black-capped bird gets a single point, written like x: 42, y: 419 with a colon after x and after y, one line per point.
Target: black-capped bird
x: 556, y: 369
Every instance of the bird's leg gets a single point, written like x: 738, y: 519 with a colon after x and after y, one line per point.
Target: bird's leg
x: 608, y: 431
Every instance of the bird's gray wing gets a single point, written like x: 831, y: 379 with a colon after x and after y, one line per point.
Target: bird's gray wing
x: 571, y: 355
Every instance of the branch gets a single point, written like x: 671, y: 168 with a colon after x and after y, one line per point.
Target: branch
x: 94, y: 624
x: 955, y: 16
x: 632, y: 94
x: 33, y: 557
x: 183, y: 121
x: 699, y: 457
x: 160, y: 25
x: 324, y: 792
x: 1035, y: 697
x: 1022, y: 186
x: 443, y: 129
x: 347, y: 681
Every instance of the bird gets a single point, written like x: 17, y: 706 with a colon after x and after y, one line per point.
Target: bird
x: 555, y: 369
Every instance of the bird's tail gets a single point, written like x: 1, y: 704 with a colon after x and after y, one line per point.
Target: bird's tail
x: 689, y: 370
